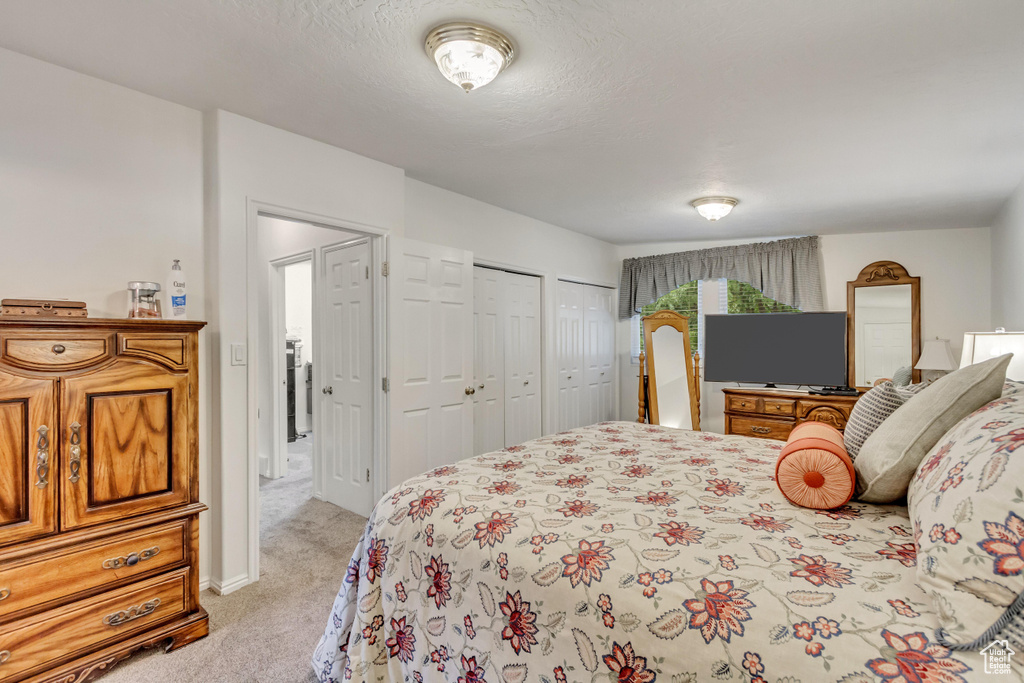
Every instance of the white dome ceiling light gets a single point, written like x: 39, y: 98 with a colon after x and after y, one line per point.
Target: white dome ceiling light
x: 469, y: 55
x: 714, y: 208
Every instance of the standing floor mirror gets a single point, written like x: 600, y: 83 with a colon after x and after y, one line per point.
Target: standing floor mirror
x: 669, y: 393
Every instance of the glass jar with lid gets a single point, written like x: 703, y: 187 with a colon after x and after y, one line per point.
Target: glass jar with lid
x: 142, y: 300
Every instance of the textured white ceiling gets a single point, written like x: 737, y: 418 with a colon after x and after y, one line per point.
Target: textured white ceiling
x: 819, y: 116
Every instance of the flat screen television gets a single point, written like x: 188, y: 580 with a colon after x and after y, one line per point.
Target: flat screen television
x: 776, y: 348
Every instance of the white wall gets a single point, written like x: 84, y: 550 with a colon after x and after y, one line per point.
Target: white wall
x: 249, y: 162
x: 502, y: 238
x: 956, y: 296
x: 1008, y: 264
x: 275, y: 239
x: 100, y: 185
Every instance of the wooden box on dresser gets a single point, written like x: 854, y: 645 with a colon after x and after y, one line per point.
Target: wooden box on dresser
x: 772, y: 414
x: 99, y: 493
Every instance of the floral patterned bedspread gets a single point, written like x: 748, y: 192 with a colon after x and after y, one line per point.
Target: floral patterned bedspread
x: 634, y: 553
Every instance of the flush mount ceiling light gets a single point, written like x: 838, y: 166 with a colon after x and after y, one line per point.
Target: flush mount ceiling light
x: 714, y: 208
x: 469, y: 55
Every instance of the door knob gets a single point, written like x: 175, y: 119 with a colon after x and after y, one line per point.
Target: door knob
x: 481, y: 386
x: 526, y: 382
x: 328, y: 390
x: 470, y: 391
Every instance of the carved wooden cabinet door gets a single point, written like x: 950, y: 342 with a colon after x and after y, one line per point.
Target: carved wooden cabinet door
x: 125, y: 442
x: 28, y: 459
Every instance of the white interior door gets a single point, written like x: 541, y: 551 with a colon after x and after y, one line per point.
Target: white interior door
x: 346, y: 433
x: 430, y: 306
x: 598, y: 354
x: 489, y: 360
x: 522, y: 358
x: 570, y: 354
x: 886, y: 350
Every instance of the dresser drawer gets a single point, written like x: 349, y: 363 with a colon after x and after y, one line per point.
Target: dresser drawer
x: 743, y: 404
x: 70, y: 631
x: 761, y: 428
x: 55, y: 352
x: 53, y: 576
x: 779, y: 406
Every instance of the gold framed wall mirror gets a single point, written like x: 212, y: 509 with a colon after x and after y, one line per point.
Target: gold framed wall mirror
x: 883, y: 324
x: 669, y: 393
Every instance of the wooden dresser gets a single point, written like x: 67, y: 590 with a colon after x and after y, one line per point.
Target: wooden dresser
x: 772, y: 414
x: 99, y: 494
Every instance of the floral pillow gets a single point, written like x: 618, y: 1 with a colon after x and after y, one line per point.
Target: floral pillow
x: 967, y: 505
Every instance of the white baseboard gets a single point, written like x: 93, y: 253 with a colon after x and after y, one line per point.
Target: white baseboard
x: 204, y: 583
x: 229, y: 586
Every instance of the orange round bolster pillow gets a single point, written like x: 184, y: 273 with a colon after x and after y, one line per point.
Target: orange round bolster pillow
x: 813, y: 469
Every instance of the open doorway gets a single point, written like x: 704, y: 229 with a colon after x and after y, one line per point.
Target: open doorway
x: 315, y: 315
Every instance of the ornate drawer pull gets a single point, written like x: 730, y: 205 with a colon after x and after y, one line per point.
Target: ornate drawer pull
x: 124, y: 616
x: 42, y: 457
x: 4, y: 594
x: 4, y: 656
x: 75, y: 462
x: 131, y: 559
x: 761, y: 430
x: 59, y: 349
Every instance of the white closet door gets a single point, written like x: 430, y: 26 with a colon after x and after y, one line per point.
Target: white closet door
x: 570, y: 354
x: 489, y: 360
x: 346, y: 427
x: 598, y: 354
x: 522, y: 358
x: 430, y: 297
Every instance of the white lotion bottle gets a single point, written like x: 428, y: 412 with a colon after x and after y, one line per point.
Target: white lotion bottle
x: 176, y: 292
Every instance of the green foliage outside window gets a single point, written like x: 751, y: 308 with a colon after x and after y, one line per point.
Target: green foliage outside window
x: 744, y: 298
x: 684, y: 301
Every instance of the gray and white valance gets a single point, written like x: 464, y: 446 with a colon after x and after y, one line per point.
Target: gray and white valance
x: 785, y: 270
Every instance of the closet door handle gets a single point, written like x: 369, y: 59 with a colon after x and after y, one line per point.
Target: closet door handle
x: 75, y: 450
x: 470, y: 391
x: 42, y: 459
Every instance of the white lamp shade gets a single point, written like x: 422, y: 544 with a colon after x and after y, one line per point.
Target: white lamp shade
x: 980, y: 346
x: 936, y: 355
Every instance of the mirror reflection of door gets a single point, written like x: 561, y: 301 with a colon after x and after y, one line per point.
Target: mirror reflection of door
x: 884, y: 341
x: 672, y: 384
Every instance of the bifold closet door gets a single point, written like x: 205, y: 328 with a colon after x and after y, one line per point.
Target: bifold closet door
x: 488, y: 361
x: 430, y: 307
x: 570, y: 354
x: 522, y: 358
x: 506, y: 382
x: 598, y: 354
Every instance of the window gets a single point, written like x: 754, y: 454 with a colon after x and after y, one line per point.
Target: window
x: 688, y: 300
x: 742, y: 297
x: 699, y: 298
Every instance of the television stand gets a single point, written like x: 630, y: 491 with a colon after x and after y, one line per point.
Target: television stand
x: 772, y: 413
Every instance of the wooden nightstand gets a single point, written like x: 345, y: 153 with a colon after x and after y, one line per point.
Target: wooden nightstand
x: 772, y: 414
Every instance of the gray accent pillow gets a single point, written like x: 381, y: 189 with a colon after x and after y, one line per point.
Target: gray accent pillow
x: 890, y: 456
x: 903, y: 376
x: 868, y: 413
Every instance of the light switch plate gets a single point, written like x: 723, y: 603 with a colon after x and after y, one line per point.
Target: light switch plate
x: 238, y: 354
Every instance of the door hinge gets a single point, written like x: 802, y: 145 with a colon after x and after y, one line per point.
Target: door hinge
x: 367, y: 272
x: 385, y: 269
x: 385, y: 384
x: 367, y: 474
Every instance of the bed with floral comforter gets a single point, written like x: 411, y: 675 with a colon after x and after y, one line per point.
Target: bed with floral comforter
x: 634, y: 553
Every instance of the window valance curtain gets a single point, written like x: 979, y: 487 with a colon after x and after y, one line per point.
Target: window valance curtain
x: 785, y: 270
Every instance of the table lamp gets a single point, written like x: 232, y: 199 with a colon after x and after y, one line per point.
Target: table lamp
x: 979, y: 346
x: 936, y: 356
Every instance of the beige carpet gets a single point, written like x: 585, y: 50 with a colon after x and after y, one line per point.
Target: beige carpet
x: 266, y: 632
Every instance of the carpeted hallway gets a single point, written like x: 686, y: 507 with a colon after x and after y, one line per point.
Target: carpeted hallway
x: 266, y: 632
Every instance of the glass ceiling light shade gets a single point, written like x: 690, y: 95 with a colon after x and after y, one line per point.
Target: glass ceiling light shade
x: 469, y: 55
x: 714, y: 208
